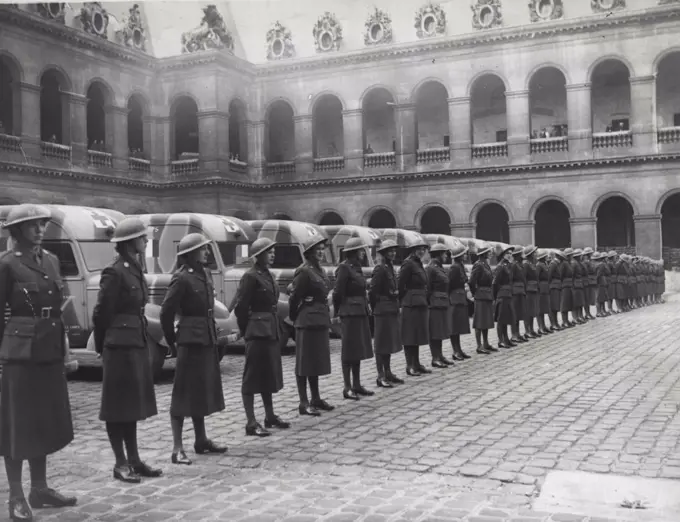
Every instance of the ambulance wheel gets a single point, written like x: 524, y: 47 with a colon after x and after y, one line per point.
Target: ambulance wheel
x: 157, y: 360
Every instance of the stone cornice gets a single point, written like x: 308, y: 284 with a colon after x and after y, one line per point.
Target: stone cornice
x: 30, y: 87
x: 521, y: 223
x: 642, y: 79
x: 647, y: 217
x: 213, y: 56
x: 583, y: 221
x: 579, y: 87
x: 212, y: 113
x: 464, y: 100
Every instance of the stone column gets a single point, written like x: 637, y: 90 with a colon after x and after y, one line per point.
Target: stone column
x: 463, y: 229
x: 643, y: 114
x: 579, y: 121
x: 213, y: 141
x: 255, y: 131
x: 583, y: 232
x: 160, y: 153
x: 30, y: 120
x: 353, y: 134
x: 76, y: 126
x: 405, y: 117
x: 460, y: 132
x: 117, y: 136
x: 304, y: 152
x: 521, y: 232
x: 648, y: 235
x: 517, y: 115
x: 150, y: 139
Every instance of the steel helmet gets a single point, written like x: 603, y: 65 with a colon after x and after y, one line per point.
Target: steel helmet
x: 612, y: 254
x: 587, y: 251
x: 578, y: 252
x: 542, y: 254
x: 312, y: 242
x: 505, y: 251
x: 260, y: 246
x: 517, y: 250
x: 458, y: 251
x: 484, y: 249
x: 596, y: 256
x: 387, y: 245
x: 353, y: 243
x: 26, y: 212
x: 191, y: 242
x: 128, y: 229
x: 420, y: 242
x: 529, y: 250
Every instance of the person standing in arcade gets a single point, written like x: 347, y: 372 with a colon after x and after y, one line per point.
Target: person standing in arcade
x: 35, y: 413
x: 481, y: 280
x: 197, y: 388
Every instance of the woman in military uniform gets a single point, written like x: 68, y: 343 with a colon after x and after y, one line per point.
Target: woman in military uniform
x: 602, y: 278
x: 414, y: 320
x: 579, y: 290
x: 256, y: 303
x: 555, y: 285
x: 519, y: 294
x: 611, y: 286
x: 531, y: 281
x: 481, y: 280
x: 504, y: 313
x: 384, y: 299
x: 35, y: 413
x: 351, y: 305
x: 567, y: 284
x: 197, y: 388
x: 439, y: 304
x: 543, y: 291
x: 310, y: 313
x: 590, y: 282
x: 460, y: 318
x: 121, y: 338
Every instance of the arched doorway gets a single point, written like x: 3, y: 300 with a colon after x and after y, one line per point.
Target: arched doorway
x: 185, y: 121
x: 615, y: 225
x: 382, y: 218
x: 10, y: 97
x: 331, y: 218
x: 327, y: 128
x: 135, y: 119
x: 238, y: 134
x: 379, y: 123
x: 97, y: 99
x: 432, y: 116
x: 280, y: 142
x: 610, y: 97
x: 55, y: 112
x: 492, y: 223
x: 488, y: 110
x: 670, y: 226
x: 548, y: 104
x: 435, y: 220
x: 552, y: 228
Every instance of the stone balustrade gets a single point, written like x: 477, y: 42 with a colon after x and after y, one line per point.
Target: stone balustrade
x: 547, y: 145
x: 55, y: 150
x: 184, y: 167
x: 96, y: 158
x: 329, y: 164
x: 139, y: 165
x: 435, y: 155
x: 379, y: 159
x: 490, y: 150
x: 608, y: 140
x: 10, y: 143
x: 238, y: 166
x: 669, y: 135
x: 281, y: 168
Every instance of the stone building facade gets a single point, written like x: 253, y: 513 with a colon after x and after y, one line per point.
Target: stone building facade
x: 560, y: 128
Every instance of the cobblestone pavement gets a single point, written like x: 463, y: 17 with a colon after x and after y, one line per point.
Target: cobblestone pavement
x: 473, y: 442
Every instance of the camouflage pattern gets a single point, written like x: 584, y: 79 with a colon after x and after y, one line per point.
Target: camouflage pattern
x: 339, y: 234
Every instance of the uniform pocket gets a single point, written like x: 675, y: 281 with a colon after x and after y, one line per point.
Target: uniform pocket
x: 261, y: 326
x: 193, y: 330
x: 17, y: 341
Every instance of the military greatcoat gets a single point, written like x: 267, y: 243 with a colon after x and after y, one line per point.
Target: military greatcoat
x: 351, y: 304
x: 412, y: 282
x: 611, y: 280
x: 460, y: 318
x: 310, y: 313
x: 543, y: 287
x: 504, y: 312
x: 197, y: 389
x: 256, y: 314
x: 579, y: 289
x: 519, y: 292
x: 35, y: 414
x: 602, y: 278
x: 384, y: 298
x: 438, y: 299
x: 481, y: 280
x: 621, y: 291
x: 555, y: 284
x: 567, y: 284
x: 531, y: 277
x: 592, y: 284
x: 120, y: 335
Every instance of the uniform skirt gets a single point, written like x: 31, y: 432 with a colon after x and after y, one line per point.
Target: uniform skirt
x: 579, y: 298
x: 263, y: 371
x: 440, y: 320
x: 519, y: 303
x: 504, y: 313
x: 611, y: 291
x: 602, y: 294
x: 356, y: 339
x: 312, y: 352
x: 544, y: 306
x: 566, y: 300
x: 555, y: 299
x: 483, y: 316
x: 620, y: 291
x: 197, y: 388
x: 414, y: 324
x: 35, y: 413
x: 460, y: 319
x: 592, y: 295
x: 531, y: 305
x: 387, y: 334
x: 128, y: 393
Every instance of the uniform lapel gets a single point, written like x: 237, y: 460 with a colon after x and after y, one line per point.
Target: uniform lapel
x: 27, y: 258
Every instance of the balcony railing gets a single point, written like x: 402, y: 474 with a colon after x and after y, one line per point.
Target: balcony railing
x: 329, y: 164
x: 238, y: 166
x: 139, y: 165
x: 184, y: 167
x: 380, y: 159
x: 553, y: 144
x: 607, y: 140
x: 98, y: 158
x: 10, y: 143
x: 498, y: 149
x: 281, y: 168
x: 437, y: 155
x: 55, y: 150
x: 669, y: 135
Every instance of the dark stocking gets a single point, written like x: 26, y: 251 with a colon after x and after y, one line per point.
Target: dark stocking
x: 302, y: 388
x: 416, y: 356
x: 436, y: 349
x: 13, y: 469
x: 356, y: 375
x: 565, y: 318
x: 314, y: 388
x: 387, y: 358
x: 381, y: 365
x: 130, y: 439
x: 346, y: 375
x: 478, y: 338
x: 249, y: 406
x: 268, y: 402
x: 38, y: 466
x: 501, y: 332
x: 199, y: 429
x: 115, y: 433
x: 408, y: 354
x: 485, y: 337
x: 177, y: 424
x: 528, y: 325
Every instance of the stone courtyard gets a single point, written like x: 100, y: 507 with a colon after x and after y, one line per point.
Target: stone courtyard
x: 474, y: 442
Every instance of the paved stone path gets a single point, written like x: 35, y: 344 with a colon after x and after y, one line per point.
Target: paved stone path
x: 473, y: 442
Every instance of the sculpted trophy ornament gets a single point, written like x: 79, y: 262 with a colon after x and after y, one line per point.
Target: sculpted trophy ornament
x: 132, y: 33
x: 604, y: 6
x: 430, y: 21
x: 95, y: 19
x: 541, y: 10
x: 486, y: 14
x: 279, y: 43
x: 53, y: 10
x: 212, y: 33
x: 378, y: 28
x: 327, y: 33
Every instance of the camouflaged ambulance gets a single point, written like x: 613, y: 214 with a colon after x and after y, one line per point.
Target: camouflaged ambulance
x: 339, y: 234
x: 450, y: 242
x: 403, y: 239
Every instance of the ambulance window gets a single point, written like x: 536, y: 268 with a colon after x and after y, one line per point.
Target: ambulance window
x: 97, y: 254
x: 233, y: 253
x: 287, y: 256
x: 67, y: 259
x: 211, y: 262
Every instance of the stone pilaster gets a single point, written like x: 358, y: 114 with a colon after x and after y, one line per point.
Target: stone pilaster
x: 583, y: 232
x: 352, y: 128
x: 579, y: 121
x: 462, y: 229
x: 304, y: 151
x: 213, y: 141
x: 405, y: 117
x: 29, y: 122
x: 643, y: 114
x: 160, y: 143
x: 75, y: 127
x: 521, y: 232
x: 256, y: 131
x: 460, y: 129
x: 517, y: 114
x: 117, y: 136
x: 648, y: 235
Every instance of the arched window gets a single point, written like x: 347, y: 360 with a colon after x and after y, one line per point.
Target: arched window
x: 135, y: 119
x: 185, y: 124
x: 435, y: 220
x: 552, y: 228
x: 492, y: 223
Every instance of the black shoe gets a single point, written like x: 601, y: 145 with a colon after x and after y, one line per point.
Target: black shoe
x: 276, y: 422
x: 350, y: 394
x: 322, y: 405
x: 394, y: 379
x: 382, y: 382
x: 463, y: 355
x: 19, y: 510
x: 360, y: 390
x: 490, y: 349
x: 39, y: 498
x: 126, y: 474
x: 257, y: 431
x: 448, y: 362
x: 438, y: 364
x: 208, y: 446
x: 422, y: 369
x: 412, y: 372
x: 482, y: 351
x: 180, y: 458
x: 144, y: 470
x: 306, y: 409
